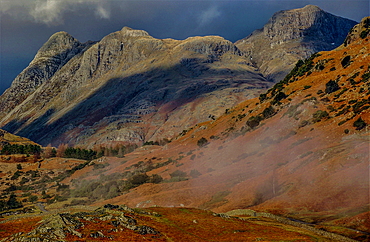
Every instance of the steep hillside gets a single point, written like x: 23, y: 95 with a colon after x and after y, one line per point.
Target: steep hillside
x: 301, y: 149
x: 131, y: 87
x: 8, y: 138
x: 293, y: 35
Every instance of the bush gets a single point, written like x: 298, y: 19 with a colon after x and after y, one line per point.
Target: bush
x: 262, y: 97
x: 155, y: 178
x: 318, y: 115
x: 32, y: 198
x: 280, y: 96
x: 178, y: 173
x: 254, y: 121
x: 139, y: 179
x: 268, y: 112
x: 202, y: 142
x: 331, y: 86
x: 195, y: 173
x: 359, y: 124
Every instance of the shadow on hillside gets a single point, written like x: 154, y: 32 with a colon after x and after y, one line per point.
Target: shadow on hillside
x: 130, y: 97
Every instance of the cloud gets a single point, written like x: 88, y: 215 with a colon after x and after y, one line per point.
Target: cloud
x: 51, y: 12
x: 207, y: 16
x: 102, y: 12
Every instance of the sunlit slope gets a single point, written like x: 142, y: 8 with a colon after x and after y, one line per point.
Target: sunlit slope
x: 303, y: 148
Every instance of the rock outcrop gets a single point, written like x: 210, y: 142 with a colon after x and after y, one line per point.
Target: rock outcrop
x: 293, y: 35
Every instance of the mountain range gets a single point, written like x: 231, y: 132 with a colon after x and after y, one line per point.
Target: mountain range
x: 132, y: 88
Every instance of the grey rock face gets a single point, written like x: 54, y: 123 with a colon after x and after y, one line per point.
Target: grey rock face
x: 125, y: 87
x: 292, y: 35
x: 54, y: 54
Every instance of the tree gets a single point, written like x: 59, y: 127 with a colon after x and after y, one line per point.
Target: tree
x: 61, y: 149
x: 19, y: 166
x: 13, y: 203
x: 49, y: 152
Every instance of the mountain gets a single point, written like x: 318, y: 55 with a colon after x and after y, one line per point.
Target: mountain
x: 300, y: 150
x: 293, y: 35
x: 132, y: 88
x: 296, y: 155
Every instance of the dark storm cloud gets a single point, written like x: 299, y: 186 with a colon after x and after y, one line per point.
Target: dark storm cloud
x: 27, y: 24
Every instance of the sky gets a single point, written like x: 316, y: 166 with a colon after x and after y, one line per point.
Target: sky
x: 25, y: 25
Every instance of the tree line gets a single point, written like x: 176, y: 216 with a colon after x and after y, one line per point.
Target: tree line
x: 11, y: 149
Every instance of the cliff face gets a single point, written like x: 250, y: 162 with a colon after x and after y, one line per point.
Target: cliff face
x: 53, y: 55
x: 293, y: 35
x: 128, y: 87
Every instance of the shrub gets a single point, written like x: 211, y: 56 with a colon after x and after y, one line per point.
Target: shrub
x: 19, y: 166
x: 280, y: 96
x: 254, y: 121
x: 139, y: 179
x: 202, y: 142
x: 13, y: 203
x: 32, y: 198
x: 178, y: 173
x: 331, y: 86
x: 318, y: 115
x: 268, y: 112
x: 155, y: 178
x: 195, y: 173
x: 262, y: 97
x: 359, y: 124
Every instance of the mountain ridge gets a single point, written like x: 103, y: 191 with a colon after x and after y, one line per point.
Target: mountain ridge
x: 131, y: 87
x: 290, y: 35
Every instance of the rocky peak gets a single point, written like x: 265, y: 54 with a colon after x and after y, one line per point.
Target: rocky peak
x: 53, y: 55
x: 291, y: 35
x: 127, y: 31
x: 305, y: 24
x: 58, y: 43
x: 209, y: 45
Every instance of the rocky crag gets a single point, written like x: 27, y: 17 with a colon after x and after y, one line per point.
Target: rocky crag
x: 131, y: 87
x: 292, y: 35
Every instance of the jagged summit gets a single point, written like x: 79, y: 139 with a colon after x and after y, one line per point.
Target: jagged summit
x: 60, y: 43
x: 127, y: 31
x: 290, y: 35
x: 311, y: 7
